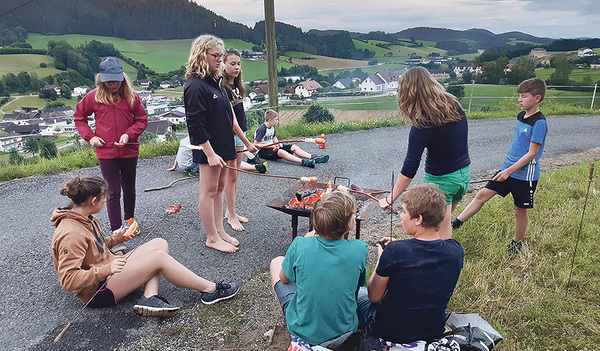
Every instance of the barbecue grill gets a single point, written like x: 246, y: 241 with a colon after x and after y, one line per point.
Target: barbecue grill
x: 365, y: 204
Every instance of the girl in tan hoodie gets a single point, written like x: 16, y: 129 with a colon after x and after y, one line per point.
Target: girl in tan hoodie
x: 87, y: 268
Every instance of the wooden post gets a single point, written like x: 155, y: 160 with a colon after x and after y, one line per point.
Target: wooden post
x: 471, y: 97
x: 271, y: 53
x: 593, y: 96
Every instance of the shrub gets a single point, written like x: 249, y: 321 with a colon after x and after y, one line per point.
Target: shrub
x: 317, y: 114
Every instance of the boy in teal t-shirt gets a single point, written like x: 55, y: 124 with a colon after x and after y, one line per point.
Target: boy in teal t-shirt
x: 317, y: 282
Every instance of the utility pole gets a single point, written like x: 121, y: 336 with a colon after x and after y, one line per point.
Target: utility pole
x: 271, y: 53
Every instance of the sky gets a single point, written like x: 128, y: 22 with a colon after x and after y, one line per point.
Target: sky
x: 542, y: 18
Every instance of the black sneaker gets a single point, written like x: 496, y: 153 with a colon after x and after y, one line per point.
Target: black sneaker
x: 223, y: 291
x: 514, y: 247
x: 255, y: 161
x: 155, y: 306
x: 321, y: 159
x: 456, y: 223
x: 306, y: 162
x: 262, y: 168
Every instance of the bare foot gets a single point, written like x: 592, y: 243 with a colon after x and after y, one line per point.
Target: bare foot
x: 221, y: 245
x: 236, y: 225
x: 231, y: 240
x: 242, y: 219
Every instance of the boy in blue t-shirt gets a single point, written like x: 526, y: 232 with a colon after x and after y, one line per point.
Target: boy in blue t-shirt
x: 317, y: 281
x: 413, y: 279
x: 521, y: 170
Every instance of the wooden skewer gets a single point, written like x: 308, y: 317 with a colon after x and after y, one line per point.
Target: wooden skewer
x: 480, y: 181
x: 308, y: 140
x: 302, y: 179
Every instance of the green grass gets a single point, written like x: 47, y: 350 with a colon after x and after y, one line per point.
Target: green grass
x: 27, y: 63
x: 159, y: 55
x: 525, y: 297
x: 370, y: 45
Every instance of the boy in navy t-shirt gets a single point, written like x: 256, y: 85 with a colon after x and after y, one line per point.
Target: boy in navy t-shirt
x: 269, y: 147
x: 414, y: 279
x: 521, y: 170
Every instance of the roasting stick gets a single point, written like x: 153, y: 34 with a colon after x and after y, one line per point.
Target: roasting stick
x: 307, y: 140
x: 302, y: 179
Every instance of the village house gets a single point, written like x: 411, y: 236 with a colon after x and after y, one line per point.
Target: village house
x: 165, y: 84
x: 82, y: 90
x: 10, y: 142
x: 586, y: 52
x: 382, y: 81
x: 160, y: 128
x: 144, y: 83
x: 595, y: 64
x: 175, y: 116
x: 307, y: 88
x: 460, y: 68
x: 537, y: 53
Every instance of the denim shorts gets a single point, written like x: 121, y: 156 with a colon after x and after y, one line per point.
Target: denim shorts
x: 237, y: 141
x: 284, y: 293
x: 454, y: 185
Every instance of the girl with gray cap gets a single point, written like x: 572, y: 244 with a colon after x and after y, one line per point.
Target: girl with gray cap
x: 120, y: 118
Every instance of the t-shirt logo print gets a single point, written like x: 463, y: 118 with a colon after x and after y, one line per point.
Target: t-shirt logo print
x: 215, y: 96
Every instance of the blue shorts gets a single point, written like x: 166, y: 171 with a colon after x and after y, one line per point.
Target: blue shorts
x: 284, y: 293
x: 237, y: 141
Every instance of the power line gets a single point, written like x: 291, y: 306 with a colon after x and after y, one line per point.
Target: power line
x: 18, y: 7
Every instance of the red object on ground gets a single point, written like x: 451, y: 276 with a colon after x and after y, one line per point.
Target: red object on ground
x: 322, y: 145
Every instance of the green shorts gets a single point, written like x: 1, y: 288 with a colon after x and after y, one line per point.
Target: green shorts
x: 454, y: 185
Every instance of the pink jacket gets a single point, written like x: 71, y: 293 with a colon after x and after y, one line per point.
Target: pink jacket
x: 112, y: 121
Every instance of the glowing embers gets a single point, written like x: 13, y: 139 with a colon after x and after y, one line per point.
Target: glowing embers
x: 306, y: 199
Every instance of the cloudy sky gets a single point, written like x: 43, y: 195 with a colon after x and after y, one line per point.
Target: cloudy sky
x: 544, y: 18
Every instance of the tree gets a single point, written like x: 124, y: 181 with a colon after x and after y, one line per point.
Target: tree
x: 47, y: 149
x: 14, y: 158
x: 522, y: 70
x: 317, y: 114
x: 31, y: 145
x: 457, y: 90
x: 493, y: 72
x: 65, y: 91
x: 563, y: 69
x: 147, y: 137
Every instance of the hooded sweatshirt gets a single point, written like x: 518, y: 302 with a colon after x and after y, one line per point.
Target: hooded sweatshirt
x: 80, y: 253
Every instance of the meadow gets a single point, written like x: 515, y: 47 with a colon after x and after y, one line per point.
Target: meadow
x: 159, y: 55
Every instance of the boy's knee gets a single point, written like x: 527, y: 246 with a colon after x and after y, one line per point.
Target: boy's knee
x: 276, y: 263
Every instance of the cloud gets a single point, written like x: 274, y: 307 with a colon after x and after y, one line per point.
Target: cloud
x: 547, y: 18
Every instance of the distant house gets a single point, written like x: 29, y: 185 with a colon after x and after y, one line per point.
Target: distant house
x: 536, y: 53
x: 174, y: 116
x: 307, y: 88
x: 461, y: 68
x: 382, y: 81
x: 144, y: 83
x: 586, y: 52
x: 80, y: 90
x: 10, y: 142
x: 165, y: 84
x: 344, y: 83
x: 439, y: 73
x: 595, y: 64
x: 160, y: 128
x: 249, y: 54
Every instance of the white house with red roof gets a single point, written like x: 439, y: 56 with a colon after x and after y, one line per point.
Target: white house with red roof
x: 307, y: 88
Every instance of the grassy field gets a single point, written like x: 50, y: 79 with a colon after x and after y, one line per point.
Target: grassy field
x: 160, y: 55
x: 27, y: 63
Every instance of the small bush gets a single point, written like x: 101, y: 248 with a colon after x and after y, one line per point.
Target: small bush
x: 317, y: 114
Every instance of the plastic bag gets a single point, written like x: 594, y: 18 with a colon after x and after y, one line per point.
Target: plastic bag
x: 471, y: 332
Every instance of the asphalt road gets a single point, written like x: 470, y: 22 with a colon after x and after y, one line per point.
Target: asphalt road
x: 35, y: 308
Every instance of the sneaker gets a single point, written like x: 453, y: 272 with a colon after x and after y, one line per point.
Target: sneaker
x: 119, y: 248
x: 456, y: 223
x: 223, y: 291
x: 306, y: 162
x: 514, y: 247
x: 262, y: 168
x: 255, y: 161
x: 321, y: 159
x: 155, y: 306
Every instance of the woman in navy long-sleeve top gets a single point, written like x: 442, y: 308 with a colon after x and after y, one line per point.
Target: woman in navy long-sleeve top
x: 211, y: 124
x: 439, y: 125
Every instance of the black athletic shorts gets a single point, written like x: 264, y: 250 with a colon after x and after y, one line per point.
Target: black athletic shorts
x: 103, y: 298
x: 521, y: 190
x: 269, y: 154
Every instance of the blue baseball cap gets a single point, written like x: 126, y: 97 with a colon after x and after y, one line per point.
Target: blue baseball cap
x: 111, y: 70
